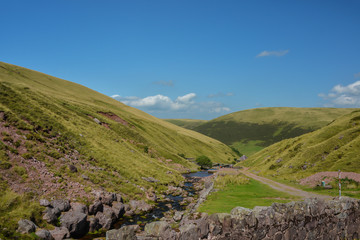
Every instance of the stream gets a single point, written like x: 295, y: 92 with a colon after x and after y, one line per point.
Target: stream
x: 162, y: 206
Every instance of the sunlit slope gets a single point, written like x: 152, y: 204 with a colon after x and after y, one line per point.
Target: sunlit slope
x: 333, y: 147
x: 133, y: 145
x: 251, y: 130
x: 186, y: 123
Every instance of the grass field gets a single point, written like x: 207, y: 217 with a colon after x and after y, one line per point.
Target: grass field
x: 245, y: 195
x: 249, y: 147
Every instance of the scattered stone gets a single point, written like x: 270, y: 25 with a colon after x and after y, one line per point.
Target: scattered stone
x: 140, y: 206
x: 44, y: 235
x: 72, y: 168
x: 94, y: 224
x: 76, y: 223
x: 97, y: 120
x: 85, y: 177
x: 150, y: 179
x: 26, y: 226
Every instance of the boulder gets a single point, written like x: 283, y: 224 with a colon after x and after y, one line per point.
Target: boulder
x: 62, y: 204
x: 140, y: 206
x: 178, y: 216
x: 106, y: 218
x: 79, y: 207
x: 44, y: 203
x: 124, y: 233
x: 76, y: 223
x: 119, y: 209
x: 60, y: 233
x: 26, y: 226
x: 96, y: 207
x: 51, y: 215
x: 44, y: 235
x: 157, y: 229
x: 94, y: 224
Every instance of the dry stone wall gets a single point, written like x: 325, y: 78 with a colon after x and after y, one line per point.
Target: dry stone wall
x: 308, y: 219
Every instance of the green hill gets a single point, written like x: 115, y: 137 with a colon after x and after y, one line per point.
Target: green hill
x: 335, y: 146
x: 251, y: 130
x: 186, y: 123
x: 59, y: 139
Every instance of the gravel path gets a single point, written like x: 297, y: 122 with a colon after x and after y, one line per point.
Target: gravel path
x: 283, y: 187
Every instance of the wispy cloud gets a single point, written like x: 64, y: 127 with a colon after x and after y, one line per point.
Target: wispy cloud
x: 160, y: 104
x: 169, y: 83
x: 220, y: 94
x: 343, y: 96
x: 273, y: 53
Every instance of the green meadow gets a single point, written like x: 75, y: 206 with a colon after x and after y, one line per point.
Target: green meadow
x: 248, y: 195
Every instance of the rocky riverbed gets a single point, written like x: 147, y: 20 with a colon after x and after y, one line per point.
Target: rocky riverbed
x: 109, y: 211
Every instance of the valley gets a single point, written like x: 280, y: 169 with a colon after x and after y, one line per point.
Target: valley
x: 80, y: 164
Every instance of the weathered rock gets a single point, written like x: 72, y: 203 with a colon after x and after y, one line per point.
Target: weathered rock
x: 44, y: 203
x: 119, y: 209
x: 106, y: 218
x: 108, y: 198
x: 240, y: 211
x: 76, y: 223
x: 79, y: 207
x: 44, y: 235
x: 96, y: 207
x: 94, y: 224
x: 72, y: 168
x: 60, y: 233
x: 62, y: 204
x: 157, y: 228
x: 119, y: 198
x: 178, y: 216
x: 124, y: 233
x: 140, y: 206
x: 51, y: 215
x: 150, y: 179
x: 26, y: 226
x: 97, y: 120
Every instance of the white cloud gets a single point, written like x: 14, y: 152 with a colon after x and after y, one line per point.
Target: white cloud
x: 273, y: 53
x: 343, y: 96
x: 169, y: 83
x: 164, y: 104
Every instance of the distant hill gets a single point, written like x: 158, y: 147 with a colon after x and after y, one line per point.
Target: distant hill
x: 186, y: 123
x: 59, y: 139
x: 251, y: 130
x: 335, y: 146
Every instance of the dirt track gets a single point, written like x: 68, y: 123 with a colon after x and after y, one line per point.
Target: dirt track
x: 283, y: 187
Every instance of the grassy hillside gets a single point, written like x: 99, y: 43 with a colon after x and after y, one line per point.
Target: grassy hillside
x: 60, y: 139
x: 186, y: 123
x: 251, y: 130
x: 335, y: 146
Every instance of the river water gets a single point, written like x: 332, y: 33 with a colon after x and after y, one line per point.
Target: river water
x: 170, y: 203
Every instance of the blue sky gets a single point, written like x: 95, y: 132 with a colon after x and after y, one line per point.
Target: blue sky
x: 193, y: 59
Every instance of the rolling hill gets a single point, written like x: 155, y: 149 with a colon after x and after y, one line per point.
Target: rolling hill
x: 251, y: 130
x: 59, y: 139
x: 333, y: 147
x: 186, y: 123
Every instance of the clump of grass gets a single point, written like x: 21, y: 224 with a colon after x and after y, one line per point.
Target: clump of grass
x: 226, y: 179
